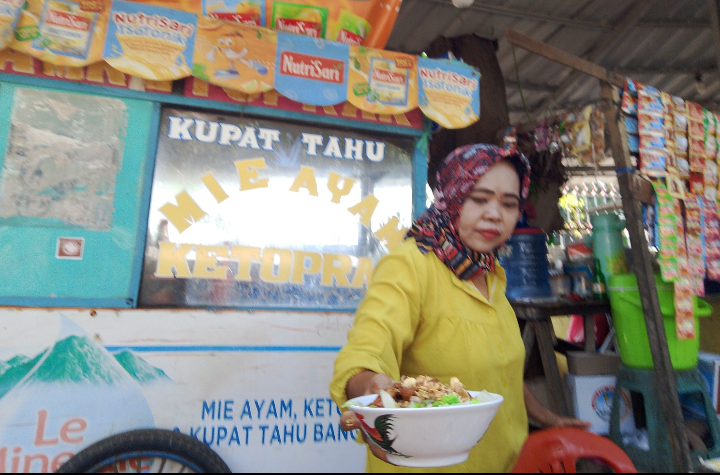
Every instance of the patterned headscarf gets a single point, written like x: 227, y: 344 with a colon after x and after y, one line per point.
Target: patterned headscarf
x: 436, y: 229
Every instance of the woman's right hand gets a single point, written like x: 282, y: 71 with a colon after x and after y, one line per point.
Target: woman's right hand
x: 363, y: 384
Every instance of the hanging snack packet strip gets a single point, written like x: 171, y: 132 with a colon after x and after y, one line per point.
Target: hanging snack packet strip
x: 581, y: 145
x: 710, y: 141
x: 669, y: 131
x: 684, y: 305
x: 717, y: 136
x: 711, y: 157
x: 695, y: 242
x: 712, y: 240
x: 629, y: 108
x: 684, y: 310
x: 681, y: 138
x: 698, y: 265
x: 674, y: 179
x: 653, y: 151
x: 696, y: 137
x: 667, y: 231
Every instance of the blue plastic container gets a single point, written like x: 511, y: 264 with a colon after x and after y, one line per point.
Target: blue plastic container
x: 525, y: 261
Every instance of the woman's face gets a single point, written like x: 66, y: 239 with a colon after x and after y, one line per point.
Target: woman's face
x: 491, y: 210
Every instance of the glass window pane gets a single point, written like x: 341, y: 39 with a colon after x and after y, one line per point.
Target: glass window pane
x: 261, y: 213
x: 63, y: 156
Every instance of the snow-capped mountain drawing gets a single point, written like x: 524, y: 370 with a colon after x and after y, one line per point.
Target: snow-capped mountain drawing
x: 76, y: 359
x: 138, y: 368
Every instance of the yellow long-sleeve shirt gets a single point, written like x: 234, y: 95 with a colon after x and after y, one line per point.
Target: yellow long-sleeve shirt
x: 418, y: 318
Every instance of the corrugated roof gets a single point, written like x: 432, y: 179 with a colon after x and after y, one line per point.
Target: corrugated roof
x: 664, y: 43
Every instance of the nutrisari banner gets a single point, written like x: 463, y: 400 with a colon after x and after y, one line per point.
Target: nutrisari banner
x: 382, y: 81
x: 61, y: 32
x: 311, y: 71
x: 236, y: 57
x: 449, y: 92
x: 150, y: 42
x: 9, y: 15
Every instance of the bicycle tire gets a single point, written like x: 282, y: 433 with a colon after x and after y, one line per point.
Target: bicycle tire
x: 146, y: 444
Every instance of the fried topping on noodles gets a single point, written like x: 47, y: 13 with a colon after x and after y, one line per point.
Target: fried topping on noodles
x: 422, y: 391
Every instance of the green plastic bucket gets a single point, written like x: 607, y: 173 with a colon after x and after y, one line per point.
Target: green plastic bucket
x: 630, y: 329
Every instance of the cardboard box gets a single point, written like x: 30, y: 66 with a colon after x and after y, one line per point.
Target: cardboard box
x: 709, y: 366
x: 592, y: 398
x: 582, y: 363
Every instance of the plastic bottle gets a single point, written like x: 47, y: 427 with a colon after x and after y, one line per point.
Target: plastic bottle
x: 599, y: 288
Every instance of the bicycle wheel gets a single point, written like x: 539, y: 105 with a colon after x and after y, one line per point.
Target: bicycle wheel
x: 146, y: 451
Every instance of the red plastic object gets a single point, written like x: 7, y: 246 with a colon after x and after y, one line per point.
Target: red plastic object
x: 558, y: 450
x: 576, y: 330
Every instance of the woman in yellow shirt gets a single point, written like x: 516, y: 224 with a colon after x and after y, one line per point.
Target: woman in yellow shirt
x: 437, y: 307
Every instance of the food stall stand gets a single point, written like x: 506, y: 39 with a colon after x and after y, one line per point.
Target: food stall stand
x: 191, y: 206
x: 665, y: 151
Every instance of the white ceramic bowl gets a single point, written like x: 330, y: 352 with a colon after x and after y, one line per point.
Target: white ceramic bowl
x: 426, y: 437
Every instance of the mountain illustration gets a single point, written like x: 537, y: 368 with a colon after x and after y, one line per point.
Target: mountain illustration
x: 75, y: 359
x: 16, y: 372
x: 138, y: 368
x: 12, y: 362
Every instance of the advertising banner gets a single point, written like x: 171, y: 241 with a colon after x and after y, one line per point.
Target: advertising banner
x: 449, y: 92
x: 245, y: 12
x: 252, y: 386
x: 150, y: 42
x: 61, y: 32
x: 355, y: 22
x: 100, y: 74
x: 235, y: 56
x: 199, y: 89
x: 307, y: 57
x: 9, y: 15
x: 311, y: 71
x: 382, y: 81
x: 250, y: 213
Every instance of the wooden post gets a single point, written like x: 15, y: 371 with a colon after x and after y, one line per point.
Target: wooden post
x: 632, y: 188
x: 642, y: 260
x: 562, y: 57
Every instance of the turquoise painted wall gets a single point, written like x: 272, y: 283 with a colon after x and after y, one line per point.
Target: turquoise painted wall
x: 106, y: 271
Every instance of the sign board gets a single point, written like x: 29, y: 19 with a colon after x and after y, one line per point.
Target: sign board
x: 252, y: 386
x: 250, y: 213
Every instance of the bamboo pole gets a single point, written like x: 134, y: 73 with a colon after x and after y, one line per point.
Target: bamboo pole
x: 664, y: 373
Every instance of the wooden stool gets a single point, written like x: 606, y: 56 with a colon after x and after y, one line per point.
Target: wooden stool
x: 656, y: 456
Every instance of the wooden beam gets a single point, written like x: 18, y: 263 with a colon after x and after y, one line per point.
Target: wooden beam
x: 642, y: 262
x: 674, y: 70
x: 714, y: 7
x: 562, y: 57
